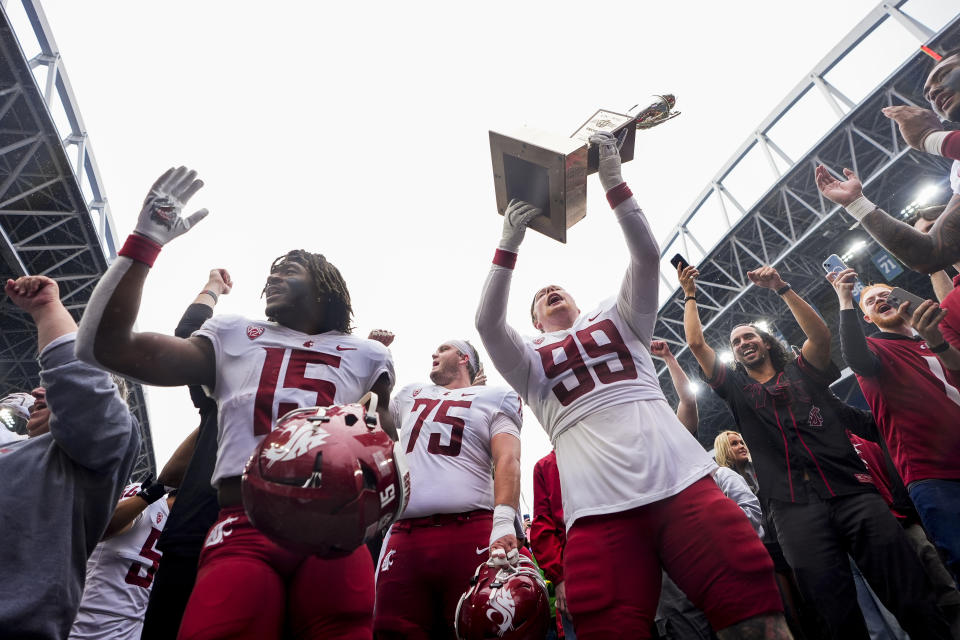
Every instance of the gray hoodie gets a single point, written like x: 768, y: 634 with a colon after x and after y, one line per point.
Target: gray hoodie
x: 58, y: 492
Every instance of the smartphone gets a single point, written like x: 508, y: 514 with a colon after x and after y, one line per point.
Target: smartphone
x: 835, y: 264
x: 898, y: 296
x: 679, y: 262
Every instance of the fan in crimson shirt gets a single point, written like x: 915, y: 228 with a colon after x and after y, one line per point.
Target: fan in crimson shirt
x: 911, y: 384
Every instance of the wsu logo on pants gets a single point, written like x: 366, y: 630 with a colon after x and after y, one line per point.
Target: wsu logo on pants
x: 219, y: 531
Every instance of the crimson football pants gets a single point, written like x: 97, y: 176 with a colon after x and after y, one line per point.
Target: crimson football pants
x: 248, y: 588
x: 612, y: 564
x: 425, y: 566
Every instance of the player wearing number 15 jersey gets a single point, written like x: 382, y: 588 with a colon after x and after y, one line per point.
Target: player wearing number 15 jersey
x: 247, y: 586
x: 454, y: 434
x: 120, y: 570
x: 636, y: 486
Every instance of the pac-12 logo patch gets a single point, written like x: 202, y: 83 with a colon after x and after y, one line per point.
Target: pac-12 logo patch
x: 538, y: 341
x: 416, y: 392
x: 254, y: 332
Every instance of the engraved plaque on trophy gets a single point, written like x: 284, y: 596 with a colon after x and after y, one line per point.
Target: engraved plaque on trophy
x: 550, y: 171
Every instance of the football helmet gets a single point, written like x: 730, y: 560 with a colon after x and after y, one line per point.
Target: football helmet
x: 504, y: 602
x: 326, y: 480
x: 15, y: 412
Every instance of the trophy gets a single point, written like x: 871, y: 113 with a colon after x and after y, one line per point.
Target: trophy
x: 550, y: 171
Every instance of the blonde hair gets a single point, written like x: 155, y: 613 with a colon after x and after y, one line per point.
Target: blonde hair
x: 879, y: 285
x: 723, y: 452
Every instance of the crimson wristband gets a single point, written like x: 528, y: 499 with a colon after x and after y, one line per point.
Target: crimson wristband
x: 951, y: 146
x: 618, y: 195
x: 505, y: 259
x: 141, y: 249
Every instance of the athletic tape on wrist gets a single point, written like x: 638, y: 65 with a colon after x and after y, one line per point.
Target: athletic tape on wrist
x: 503, y: 517
x: 505, y: 259
x: 141, y: 249
x: 860, y: 207
x: 933, y: 143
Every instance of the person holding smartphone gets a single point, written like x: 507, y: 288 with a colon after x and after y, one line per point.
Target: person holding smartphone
x: 912, y: 384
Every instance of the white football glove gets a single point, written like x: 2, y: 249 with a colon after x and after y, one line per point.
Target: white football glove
x: 500, y: 558
x: 160, y: 218
x: 609, y: 171
x: 515, y: 220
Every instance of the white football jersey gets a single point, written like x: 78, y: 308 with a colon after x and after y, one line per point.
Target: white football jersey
x: 955, y: 176
x: 626, y: 447
x: 446, y: 435
x: 595, y: 364
x: 120, y: 576
x: 265, y: 370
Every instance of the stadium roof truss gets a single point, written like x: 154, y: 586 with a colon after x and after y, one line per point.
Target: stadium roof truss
x: 54, y: 215
x: 791, y: 226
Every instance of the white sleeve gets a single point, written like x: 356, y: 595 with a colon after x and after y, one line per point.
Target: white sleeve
x: 502, y: 424
x: 503, y: 344
x: 736, y: 488
x: 637, y: 301
x: 86, y: 347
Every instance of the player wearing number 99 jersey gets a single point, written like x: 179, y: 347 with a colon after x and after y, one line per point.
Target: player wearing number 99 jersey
x: 120, y: 571
x: 635, y: 483
x: 454, y: 434
x: 247, y: 586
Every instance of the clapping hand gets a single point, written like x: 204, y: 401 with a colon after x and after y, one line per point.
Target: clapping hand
x: 842, y: 192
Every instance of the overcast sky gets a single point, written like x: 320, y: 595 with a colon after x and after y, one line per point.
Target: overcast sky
x: 359, y: 130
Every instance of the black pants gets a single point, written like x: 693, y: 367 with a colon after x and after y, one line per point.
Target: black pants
x: 172, y: 585
x: 816, y: 539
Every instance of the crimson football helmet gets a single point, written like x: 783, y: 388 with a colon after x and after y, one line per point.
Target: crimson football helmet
x: 326, y: 480
x: 504, y: 602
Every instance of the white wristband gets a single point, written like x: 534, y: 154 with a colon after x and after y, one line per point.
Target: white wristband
x: 860, y: 207
x: 933, y: 143
x: 503, y: 518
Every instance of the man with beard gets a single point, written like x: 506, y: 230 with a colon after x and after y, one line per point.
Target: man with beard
x: 911, y: 384
x: 454, y: 433
x: 922, y: 130
x: 816, y: 489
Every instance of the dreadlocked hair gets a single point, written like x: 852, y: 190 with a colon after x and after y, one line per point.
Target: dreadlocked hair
x: 331, y: 289
x: 780, y: 356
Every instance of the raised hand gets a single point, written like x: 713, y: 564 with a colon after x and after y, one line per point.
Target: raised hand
x: 926, y: 320
x: 480, y: 379
x: 660, y: 349
x: 219, y: 282
x: 609, y: 170
x: 382, y: 336
x: 843, y: 282
x: 31, y: 293
x: 766, y: 276
x: 688, y: 276
x: 515, y: 220
x: 842, y: 192
x: 915, y: 123
x: 160, y: 218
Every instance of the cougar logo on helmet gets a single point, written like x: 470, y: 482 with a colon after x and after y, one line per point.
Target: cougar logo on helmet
x: 301, y: 441
x: 502, y: 602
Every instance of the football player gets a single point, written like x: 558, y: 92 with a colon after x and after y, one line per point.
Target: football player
x: 627, y: 467
x: 454, y: 434
x: 922, y: 130
x: 120, y: 571
x: 256, y: 370
x: 912, y: 384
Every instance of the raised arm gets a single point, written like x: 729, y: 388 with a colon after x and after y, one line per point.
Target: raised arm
x: 129, y: 508
x: 106, y: 336
x: 706, y: 357
x: 816, y: 348
x: 637, y: 301
x: 853, y: 344
x: 687, y: 409
x: 501, y: 341
x: 924, y: 252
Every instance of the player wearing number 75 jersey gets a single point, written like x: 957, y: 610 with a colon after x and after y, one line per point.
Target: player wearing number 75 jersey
x: 303, y: 355
x: 454, y: 434
x: 637, y: 492
x: 120, y: 570
x: 911, y: 384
